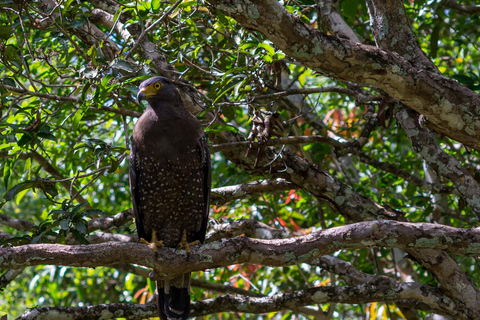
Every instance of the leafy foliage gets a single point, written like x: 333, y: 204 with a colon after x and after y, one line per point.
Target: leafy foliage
x: 68, y: 108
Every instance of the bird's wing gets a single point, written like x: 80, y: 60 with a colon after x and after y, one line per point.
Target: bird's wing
x: 134, y: 192
x: 207, y: 185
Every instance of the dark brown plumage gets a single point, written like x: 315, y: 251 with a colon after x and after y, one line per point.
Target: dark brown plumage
x: 170, y: 180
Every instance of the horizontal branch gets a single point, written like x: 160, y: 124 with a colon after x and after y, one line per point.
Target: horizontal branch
x: 246, y: 190
x: 105, y: 223
x: 275, y: 142
x: 248, y: 227
x: 461, y: 8
x: 18, y: 224
x: 340, y: 90
x: 275, y: 253
x: 378, y: 292
x: 39, y: 94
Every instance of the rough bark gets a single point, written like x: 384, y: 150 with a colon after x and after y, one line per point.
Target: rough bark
x: 449, y: 106
x: 383, y: 290
x: 279, y: 252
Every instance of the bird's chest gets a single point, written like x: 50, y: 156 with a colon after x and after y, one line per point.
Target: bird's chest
x: 165, y: 141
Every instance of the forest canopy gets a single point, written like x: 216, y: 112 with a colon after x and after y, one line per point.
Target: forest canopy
x: 344, y: 148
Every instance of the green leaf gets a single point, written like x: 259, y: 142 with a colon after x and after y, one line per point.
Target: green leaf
x: 7, y: 171
x: 216, y: 127
x: 66, y: 5
x: 79, y: 115
x: 156, y: 5
x: 81, y: 226
x: 105, y: 80
x: 267, y: 47
x: 80, y: 238
x: 6, y: 31
x: 187, y: 4
x: 10, y: 194
x: 64, y: 224
x: 114, y: 164
x: 140, y: 78
x: 122, y: 64
x: 463, y: 79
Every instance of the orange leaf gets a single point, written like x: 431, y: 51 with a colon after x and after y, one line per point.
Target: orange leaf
x: 139, y: 292
x: 296, y: 227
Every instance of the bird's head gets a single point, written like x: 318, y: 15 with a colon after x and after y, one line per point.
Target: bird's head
x: 157, y: 88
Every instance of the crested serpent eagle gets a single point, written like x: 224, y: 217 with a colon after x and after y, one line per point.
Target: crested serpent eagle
x: 170, y: 181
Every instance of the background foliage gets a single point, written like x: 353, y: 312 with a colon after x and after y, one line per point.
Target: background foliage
x: 64, y: 143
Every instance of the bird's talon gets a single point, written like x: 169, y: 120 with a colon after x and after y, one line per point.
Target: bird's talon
x: 143, y: 241
x: 155, y: 244
x: 184, y: 244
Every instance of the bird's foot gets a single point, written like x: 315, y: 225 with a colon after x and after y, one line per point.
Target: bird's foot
x: 154, y: 244
x: 184, y: 244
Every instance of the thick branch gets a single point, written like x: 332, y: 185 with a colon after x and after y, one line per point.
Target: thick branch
x: 336, y: 25
x: 388, y: 234
x: 444, y: 164
x: 381, y: 292
x: 449, y: 106
x: 392, y: 31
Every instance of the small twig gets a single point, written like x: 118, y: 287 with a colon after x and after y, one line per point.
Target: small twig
x: 144, y: 32
x: 39, y: 94
x: 86, y: 185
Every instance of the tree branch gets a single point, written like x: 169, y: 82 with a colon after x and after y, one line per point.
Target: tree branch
x: 248, y: 227
x: 284, y: 252
x: 105, y: 223
x: 461, y: 8
x: 392, y: 31
x: 19, y: 224
x: 444, y: 164
x: 275, y: 142
x: 378, y: 292
x: 448, y: 105
x: 39, y: 94
x: 246, y: 190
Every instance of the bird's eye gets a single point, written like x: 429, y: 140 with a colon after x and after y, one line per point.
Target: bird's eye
x: 157, y: 86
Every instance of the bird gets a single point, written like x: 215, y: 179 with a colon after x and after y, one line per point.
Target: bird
x: 170, y: 183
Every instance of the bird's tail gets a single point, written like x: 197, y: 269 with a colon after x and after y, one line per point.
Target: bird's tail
x: 173, y: 298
